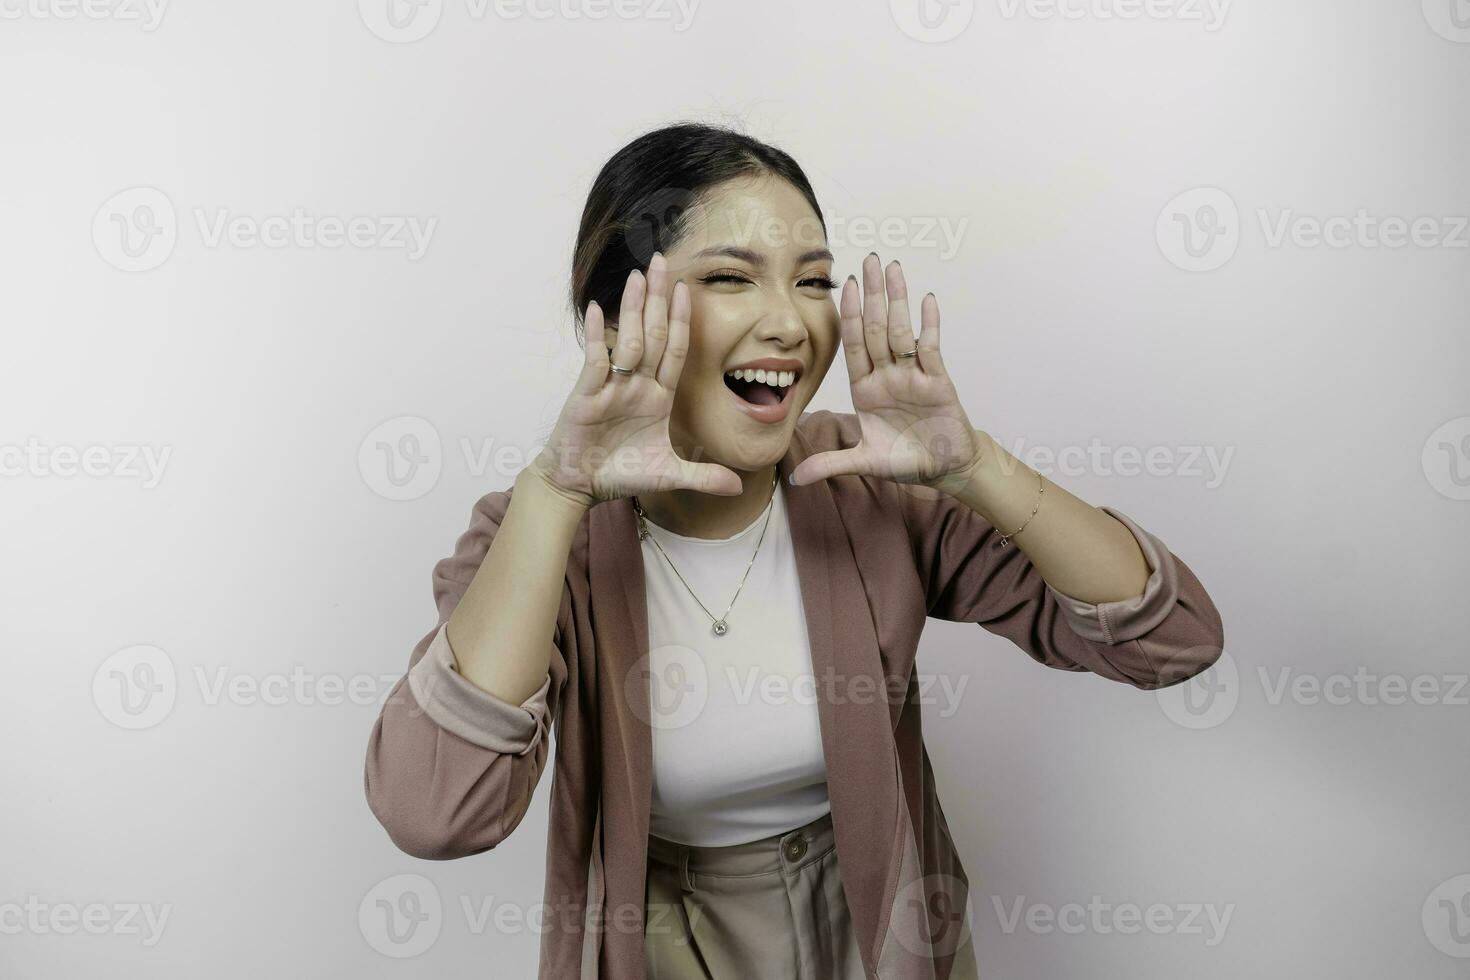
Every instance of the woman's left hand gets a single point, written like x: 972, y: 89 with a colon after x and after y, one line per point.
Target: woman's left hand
x: 913, y: 427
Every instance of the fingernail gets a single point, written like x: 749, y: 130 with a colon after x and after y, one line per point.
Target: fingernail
x: 791, y: 478
x: 873, y: 254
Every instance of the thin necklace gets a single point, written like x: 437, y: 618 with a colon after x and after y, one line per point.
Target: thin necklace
x: 720, y: 625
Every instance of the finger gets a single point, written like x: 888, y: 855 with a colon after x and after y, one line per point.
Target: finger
x: 835, y: 462
x: 710, y: 478
x: 900, y: 327
x: 929, y: 357
x: 854, y: 347
x: 672, y: 363
x: 875, y: 312
x: 594, y: 363
x: 655, y: 314
x: 629, y: 350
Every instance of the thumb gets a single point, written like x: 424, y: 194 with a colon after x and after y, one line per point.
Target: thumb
x: 710, y: 478
x: 821, y: 466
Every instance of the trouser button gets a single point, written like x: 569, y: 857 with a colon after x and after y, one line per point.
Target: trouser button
x: 796, y: 848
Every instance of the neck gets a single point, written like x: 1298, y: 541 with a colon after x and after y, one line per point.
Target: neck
x: 707, y: 515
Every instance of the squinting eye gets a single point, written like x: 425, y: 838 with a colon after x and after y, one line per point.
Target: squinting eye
x: 724, y: 277
x: 821, y: 282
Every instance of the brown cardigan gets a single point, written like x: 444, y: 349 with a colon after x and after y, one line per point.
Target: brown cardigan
x: 451, y: 769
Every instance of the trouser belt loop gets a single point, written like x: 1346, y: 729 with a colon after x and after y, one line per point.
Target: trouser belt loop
x: 686, y: 880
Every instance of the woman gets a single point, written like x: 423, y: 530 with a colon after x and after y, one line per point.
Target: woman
x: 691, y: 548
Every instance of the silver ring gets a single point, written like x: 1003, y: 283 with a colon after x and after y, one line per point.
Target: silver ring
x: 908, y: 353
x: 620, y: 370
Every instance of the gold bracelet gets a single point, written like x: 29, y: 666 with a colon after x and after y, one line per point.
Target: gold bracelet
x: 1005, y: 539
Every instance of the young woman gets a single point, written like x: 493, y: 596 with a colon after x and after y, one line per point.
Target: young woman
x: 715, y: 599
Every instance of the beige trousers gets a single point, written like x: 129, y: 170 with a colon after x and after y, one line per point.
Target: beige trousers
x: 770, y: 908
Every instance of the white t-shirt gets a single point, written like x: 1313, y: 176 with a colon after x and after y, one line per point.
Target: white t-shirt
x: 737, y: 747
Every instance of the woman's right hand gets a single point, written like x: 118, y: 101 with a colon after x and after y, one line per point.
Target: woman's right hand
x: 612, y: 438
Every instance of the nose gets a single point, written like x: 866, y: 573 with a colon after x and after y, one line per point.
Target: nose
x: 781, y: 322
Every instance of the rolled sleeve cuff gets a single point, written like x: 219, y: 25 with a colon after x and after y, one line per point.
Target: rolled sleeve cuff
x: 475, y: 715
x: 1127, y: 619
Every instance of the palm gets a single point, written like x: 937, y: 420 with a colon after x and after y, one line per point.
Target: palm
x: 914, y: 429
x: 612, y: 438
x: 623, y: 434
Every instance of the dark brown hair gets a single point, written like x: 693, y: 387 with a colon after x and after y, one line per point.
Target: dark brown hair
x: 643, y: 196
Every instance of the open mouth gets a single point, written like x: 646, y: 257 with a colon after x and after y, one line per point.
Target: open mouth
x: 771, y: 391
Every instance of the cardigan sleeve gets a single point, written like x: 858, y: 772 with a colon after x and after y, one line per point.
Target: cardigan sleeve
x: 450, y: 767
x: 1164, y: 636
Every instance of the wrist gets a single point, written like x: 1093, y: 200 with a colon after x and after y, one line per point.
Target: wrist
x: 987, y: 476
x: 538, y: 477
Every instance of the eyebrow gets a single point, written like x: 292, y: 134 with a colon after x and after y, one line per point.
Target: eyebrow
x: 758, y: 260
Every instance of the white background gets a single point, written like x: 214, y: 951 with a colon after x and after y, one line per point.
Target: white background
x: 1333, y: 378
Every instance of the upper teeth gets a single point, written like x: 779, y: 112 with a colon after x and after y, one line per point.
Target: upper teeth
x: 779, y: 379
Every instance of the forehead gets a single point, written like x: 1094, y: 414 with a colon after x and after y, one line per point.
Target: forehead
x: 763, y: 213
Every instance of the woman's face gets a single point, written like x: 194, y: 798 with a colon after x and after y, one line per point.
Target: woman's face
x: 755, y: 260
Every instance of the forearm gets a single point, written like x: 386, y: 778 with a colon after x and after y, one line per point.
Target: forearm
x: 501, y: 631
x: 1078, y: 549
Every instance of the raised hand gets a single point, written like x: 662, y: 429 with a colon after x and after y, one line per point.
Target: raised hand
x: 914, y: 429
x: 612, y: 438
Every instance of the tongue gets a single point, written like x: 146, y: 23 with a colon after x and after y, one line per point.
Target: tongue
x: 760, y: 394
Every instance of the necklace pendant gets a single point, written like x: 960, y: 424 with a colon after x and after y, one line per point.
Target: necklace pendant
x: 720, y: 627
